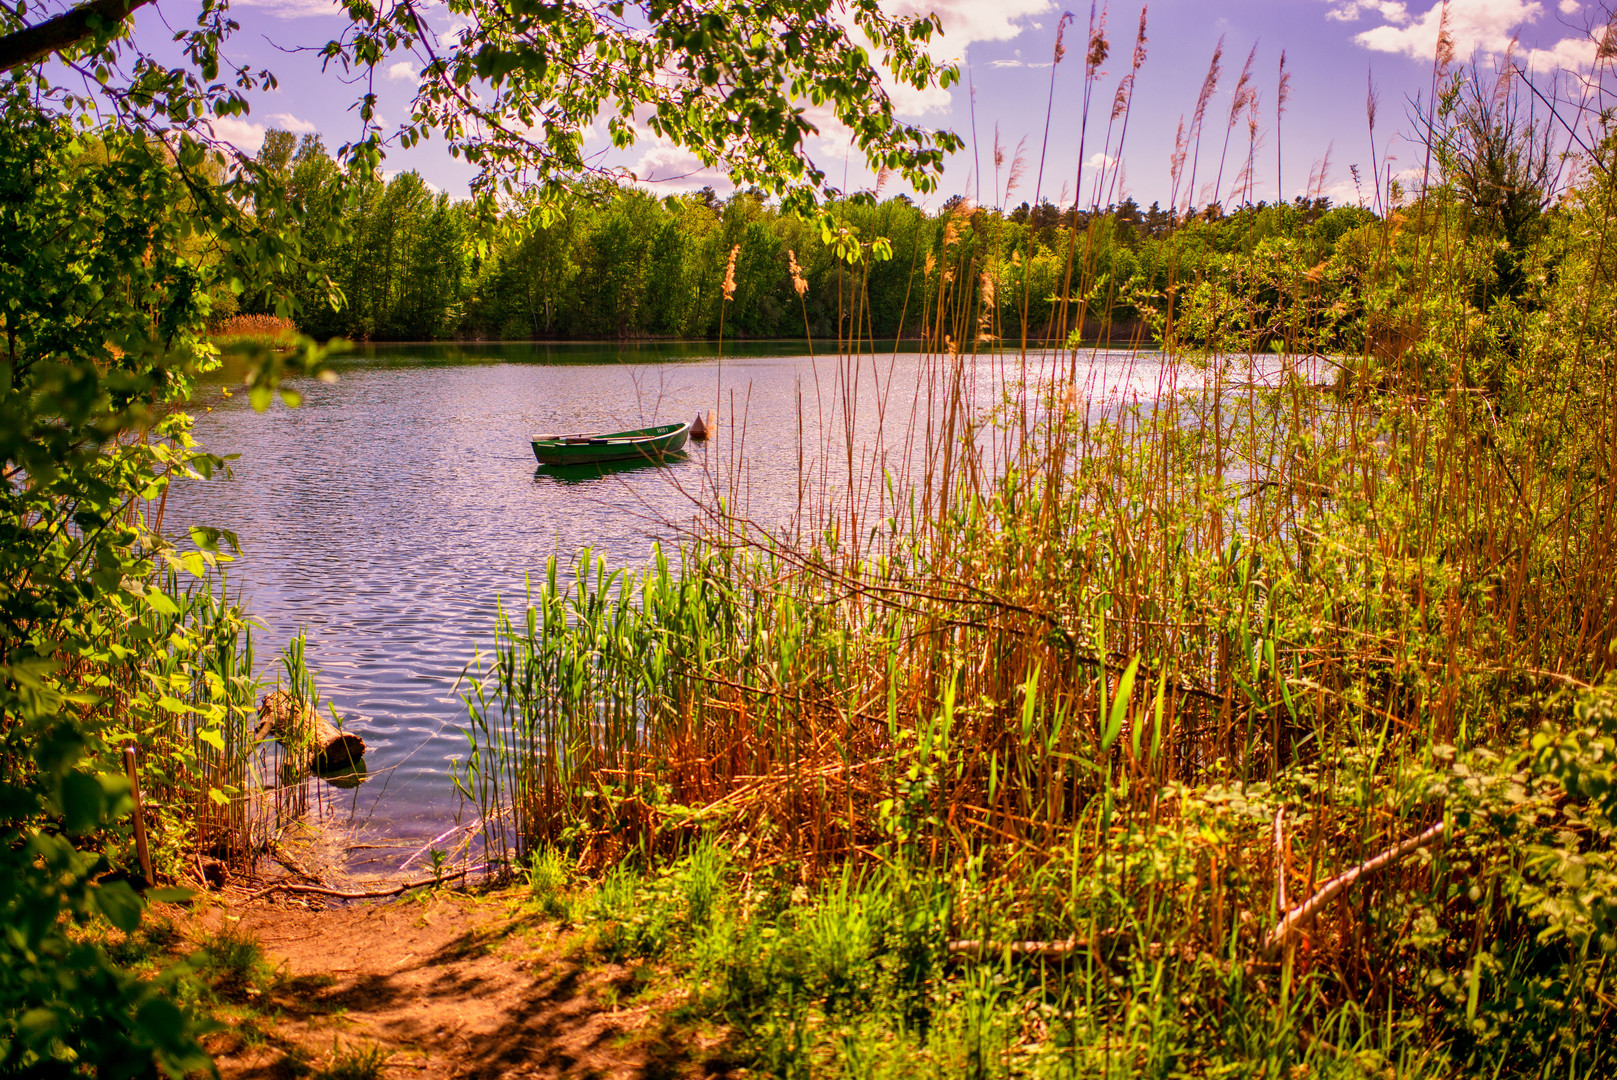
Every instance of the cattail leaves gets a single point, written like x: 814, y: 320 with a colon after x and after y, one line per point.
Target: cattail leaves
x: 1120, y: 704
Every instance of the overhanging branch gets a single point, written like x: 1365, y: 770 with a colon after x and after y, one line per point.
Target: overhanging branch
x: 63, y: 31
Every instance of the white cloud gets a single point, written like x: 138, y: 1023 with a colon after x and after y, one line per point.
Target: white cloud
x: 1485, y: 26
x: 1574, y: 54
x: 296, y: 9
x: 242, y: 134
x: 403, y: 70
x: 288, y: 122
x: 1099, y: 160
x: 964, y: 23
x: 1477, y: 26
x: 1350, y: 11
x: 968, y: 21
x: 670, y: 169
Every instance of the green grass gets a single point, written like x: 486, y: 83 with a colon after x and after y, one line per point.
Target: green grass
x: 856, y: 977
x: 233, y: 963
x: 355, y: 1061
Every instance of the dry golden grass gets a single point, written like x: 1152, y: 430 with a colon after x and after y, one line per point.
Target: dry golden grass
x: 269, y: 331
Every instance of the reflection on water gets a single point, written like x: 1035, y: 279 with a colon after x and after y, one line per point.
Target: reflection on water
x: 593, y: 472
x: 392, y: 511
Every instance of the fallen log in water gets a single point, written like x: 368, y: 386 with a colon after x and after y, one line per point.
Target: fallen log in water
x: 312, y: 740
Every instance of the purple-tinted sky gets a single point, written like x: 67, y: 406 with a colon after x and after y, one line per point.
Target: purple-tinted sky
x: 1331, y: 46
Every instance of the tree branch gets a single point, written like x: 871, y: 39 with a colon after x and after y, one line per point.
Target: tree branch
x: 63, y: 31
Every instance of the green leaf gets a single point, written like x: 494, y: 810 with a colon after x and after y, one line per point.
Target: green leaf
x: 38, y: 1025
x: 82, y: 803
x: 119, y: 903
x: 1120, y: 705
x: 169, y: 895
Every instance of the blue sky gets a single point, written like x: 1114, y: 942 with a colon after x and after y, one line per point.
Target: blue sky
x: 1332, y: 46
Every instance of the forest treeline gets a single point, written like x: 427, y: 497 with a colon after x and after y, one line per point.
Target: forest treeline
x: 405, y: 262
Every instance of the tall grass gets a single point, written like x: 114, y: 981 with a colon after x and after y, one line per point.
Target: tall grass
x: 260, y: 331
x: 1139, y: 653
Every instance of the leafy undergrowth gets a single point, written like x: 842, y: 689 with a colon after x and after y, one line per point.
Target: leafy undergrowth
x: 891, y: 970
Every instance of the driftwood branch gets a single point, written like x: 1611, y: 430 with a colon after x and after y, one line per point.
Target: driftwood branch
x: 1303, y: 914
x: 1048, y: 950
x: 63, y: 31
x: 373, y: 894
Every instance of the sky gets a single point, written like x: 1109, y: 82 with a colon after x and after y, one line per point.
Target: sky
x: 1336, y: 51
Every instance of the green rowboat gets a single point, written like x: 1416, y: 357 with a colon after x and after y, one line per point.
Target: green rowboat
x: 651, y: 444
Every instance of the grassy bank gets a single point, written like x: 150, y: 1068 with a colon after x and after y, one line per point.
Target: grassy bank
x: 1250, y: 712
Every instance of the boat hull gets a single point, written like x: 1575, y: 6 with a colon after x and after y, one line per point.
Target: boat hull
x: 639, y: 444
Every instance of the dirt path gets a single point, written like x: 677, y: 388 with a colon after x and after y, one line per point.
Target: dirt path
x: 452, y: 986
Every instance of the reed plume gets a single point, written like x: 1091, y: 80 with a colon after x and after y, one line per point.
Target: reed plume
x: 1119, y: 111
x: 1095, y: 52
x: 1282, y: 95
x: 1253, y: 141
x: 976, y: 146
x: 1099, y: 47
x: 1238, y: 105
x: 999, y: 159
x: 1038, y: 183
x: 1371, y: 101
x: 799, y: 285
x: 1125, y: 102
x: 730, y: 273
x: 1209, y: 87
x: 1176, y: 164
x: 1317, y: 176
x: 1049, y: 107
x: 1444, y: 56
x: 1013, y: 179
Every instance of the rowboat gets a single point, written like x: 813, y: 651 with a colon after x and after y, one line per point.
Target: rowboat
x: 651, y: 444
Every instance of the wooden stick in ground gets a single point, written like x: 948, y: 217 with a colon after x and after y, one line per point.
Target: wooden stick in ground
x: 1300, y: 916
x: 141, y: 850
x: 1280, y: 859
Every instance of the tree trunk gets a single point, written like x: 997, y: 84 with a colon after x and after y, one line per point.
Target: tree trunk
x: 310, y: 738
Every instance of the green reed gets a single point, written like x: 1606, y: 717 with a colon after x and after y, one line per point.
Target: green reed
x: 188, y: 703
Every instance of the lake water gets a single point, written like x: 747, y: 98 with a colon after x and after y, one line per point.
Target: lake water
x: 390, y: 512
